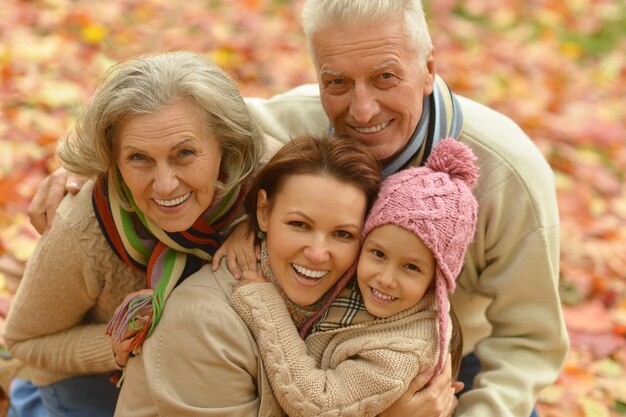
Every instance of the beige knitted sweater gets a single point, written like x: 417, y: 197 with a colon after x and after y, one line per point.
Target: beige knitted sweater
x: 70, y: 289
x: 357, y: 370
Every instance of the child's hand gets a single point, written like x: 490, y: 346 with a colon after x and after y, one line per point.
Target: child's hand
x: 250, y: 277
x: 240, y: 251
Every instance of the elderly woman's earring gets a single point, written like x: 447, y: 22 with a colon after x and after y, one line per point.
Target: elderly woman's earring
x: 261, y: 235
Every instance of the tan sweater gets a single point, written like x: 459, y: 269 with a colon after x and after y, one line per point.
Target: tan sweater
x: 201, y: 360
x: 353, y: 371
x: 72, y: 284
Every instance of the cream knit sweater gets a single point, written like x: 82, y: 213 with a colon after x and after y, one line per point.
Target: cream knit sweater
x: 357, y: 370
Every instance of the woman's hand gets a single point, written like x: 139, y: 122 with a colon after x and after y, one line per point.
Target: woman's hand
x: 436, y: 400
x: 51, y: 191
x: 240, y: 251
x: 121, y: 348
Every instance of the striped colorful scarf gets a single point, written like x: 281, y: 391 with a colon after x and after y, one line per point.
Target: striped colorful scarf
x: 166, y: 258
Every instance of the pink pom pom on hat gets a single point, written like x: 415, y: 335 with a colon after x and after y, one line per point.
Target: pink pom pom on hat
x: 435, y: 202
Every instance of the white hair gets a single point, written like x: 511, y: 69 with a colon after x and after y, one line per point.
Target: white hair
x: 144, y: 86
x: 318, y: 15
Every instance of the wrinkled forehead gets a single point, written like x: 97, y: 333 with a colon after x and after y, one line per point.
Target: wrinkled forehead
x: 373, y: 44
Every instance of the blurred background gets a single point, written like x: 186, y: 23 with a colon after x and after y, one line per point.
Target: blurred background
x: 558, y: 68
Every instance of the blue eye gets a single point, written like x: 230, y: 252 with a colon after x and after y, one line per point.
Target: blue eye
x: 136, y: 157
x: 186, y: 152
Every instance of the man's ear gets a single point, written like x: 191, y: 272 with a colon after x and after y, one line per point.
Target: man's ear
x: 262, y: 210
x: 430, y: 70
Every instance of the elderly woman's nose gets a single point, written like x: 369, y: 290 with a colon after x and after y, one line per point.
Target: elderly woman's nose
x: 165, y: 180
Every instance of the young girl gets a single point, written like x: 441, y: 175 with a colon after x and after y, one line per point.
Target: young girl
x: 391, y: 322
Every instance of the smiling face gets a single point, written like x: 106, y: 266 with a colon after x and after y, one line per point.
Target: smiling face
x: 170, y: 163
x: 395, y: 270
x: 372, y: 83
x: 311, y: 246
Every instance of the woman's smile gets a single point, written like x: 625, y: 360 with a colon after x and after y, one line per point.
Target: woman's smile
x: 309, y: 275
x: 310, y: 247
x: 173, y: 202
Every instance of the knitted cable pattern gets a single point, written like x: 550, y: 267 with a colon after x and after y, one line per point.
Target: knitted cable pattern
x: 355, y: 373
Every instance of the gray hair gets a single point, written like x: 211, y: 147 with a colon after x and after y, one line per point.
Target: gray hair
x: 144, y: 86
x: 318, y: 15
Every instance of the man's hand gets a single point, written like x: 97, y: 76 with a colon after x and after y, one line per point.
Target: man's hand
x: 240, y: 251
x: 436, y: 400
x: 49, y: 195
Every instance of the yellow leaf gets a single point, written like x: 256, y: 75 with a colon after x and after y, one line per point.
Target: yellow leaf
x: 571, y: 50
x: 607, y: 367
x: 26, y: 48
x: 564, y: 182
x: 21, y: 247
x: 552, y: 394
x: 593, y: 408
x: 58, y: 93
x: 597, y: 206
x: 19, y: 237
x: 223, y: 57
x: 93, y: 34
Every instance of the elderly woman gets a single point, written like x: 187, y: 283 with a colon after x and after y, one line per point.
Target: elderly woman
x: 170, y: 145
x: 202, y: 360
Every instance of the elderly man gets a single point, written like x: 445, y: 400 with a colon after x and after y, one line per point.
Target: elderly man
x: 378, y: 84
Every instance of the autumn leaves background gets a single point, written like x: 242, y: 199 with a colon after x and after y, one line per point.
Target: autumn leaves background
x: 558, y: 68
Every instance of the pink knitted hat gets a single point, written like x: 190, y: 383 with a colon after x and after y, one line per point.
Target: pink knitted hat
x: 436, y: 203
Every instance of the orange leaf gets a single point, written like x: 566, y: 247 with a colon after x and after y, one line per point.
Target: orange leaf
x: 8, y: 188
